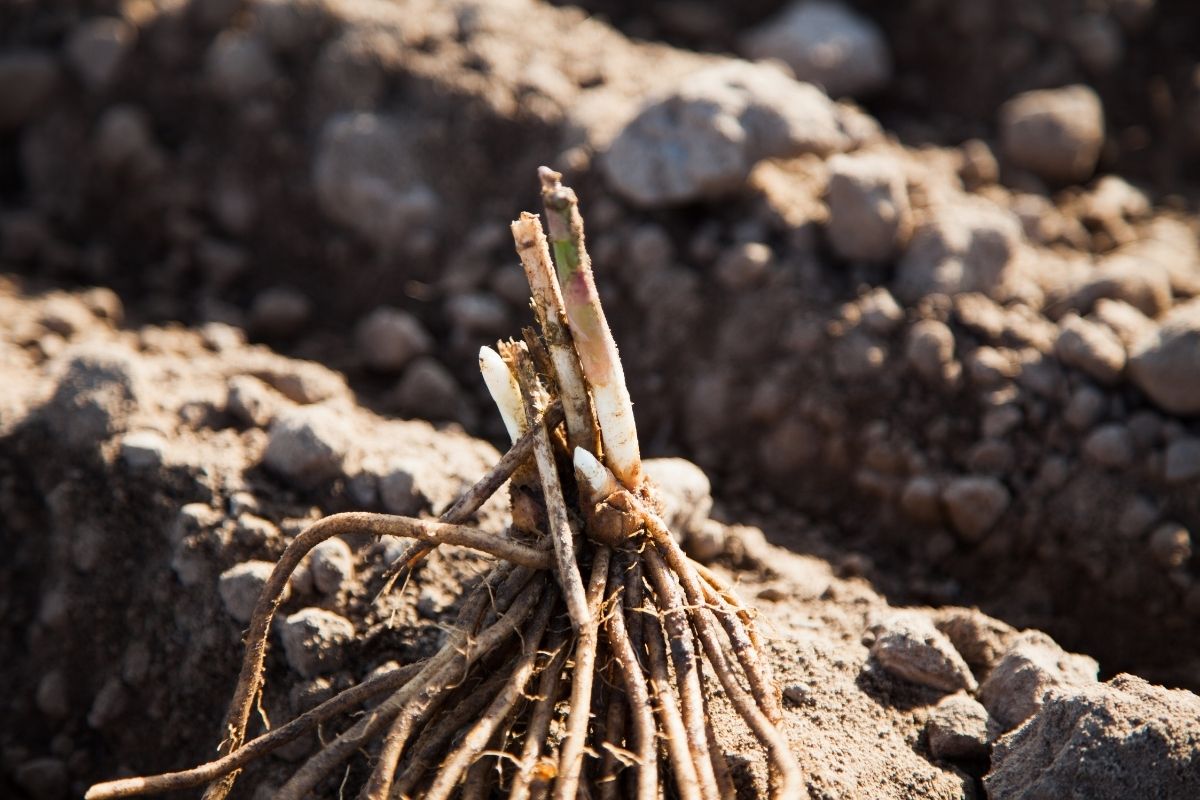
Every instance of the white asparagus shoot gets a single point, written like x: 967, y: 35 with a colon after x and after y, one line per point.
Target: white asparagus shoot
x: 594, y: 476
x: 593, y: 340
x: 551, y: 312
x: 502, y: 385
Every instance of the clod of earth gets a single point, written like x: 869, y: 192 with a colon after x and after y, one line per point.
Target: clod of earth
x: 540, y: 666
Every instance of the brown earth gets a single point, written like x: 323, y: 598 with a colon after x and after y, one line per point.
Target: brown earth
x: 286, y: 169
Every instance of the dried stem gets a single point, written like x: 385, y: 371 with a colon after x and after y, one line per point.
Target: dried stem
x: 551, y: 313
x: 589, y: 329
x: 561, y: 535
x: 570, y: 764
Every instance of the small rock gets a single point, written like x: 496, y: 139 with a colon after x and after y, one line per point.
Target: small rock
x: 240, y: 586
x: 307, y: 445
x: 979, y: 165
x: 1182, y: 463
x: 1096, y: 40
x: 96, y: 48
x: 1171, y: 545
x: 477, y: 313
x: 1110, y: 741
x: 44, y: 778
x: 110, y: 703
x: 221, y: 262
x: 702, y: 137
x: 685, y: 491
x: 990, y: 368
x: 53, y: 696
x: 1142, y: 284
x: 930, y: 351
x: 252, y: 401
x: 743, y: 265
x: 958, y: 728
x: 389, y: 338
x: 975, y: 504
x: 398, y: 490
x: 95, y: 396
x: 909, y: 646
x: 972, y: 245
x: 980, y: 639
x: 1086, y: 406
x: 332, y: 565
x: 289, y: 25
x: 1137, y: 517
x: 314, y: 641
x: 1054, y: 133
x: 1033, y: 664
x: 28, y: 79
x: 825, y: 43
x: 239, y: 66
x: 143, y: 449
x: 880, y: 311
x: 280, y: 311
x: 1110, y: 446
x: 869, y: 214
x: 857, y: 355
x: 1129, y: 324
x: 1166, y: 364
x: 427, y: 390
x: 366, y: 179
x: 1090, y: 348
x: 124, y: 139
x: 706, y: 541
x: 920, y: 500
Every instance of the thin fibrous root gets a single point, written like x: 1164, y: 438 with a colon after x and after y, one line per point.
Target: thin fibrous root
x: 443, y: 670
x: 643, y: 742
x: 540, y: 718
x: 570, y: 764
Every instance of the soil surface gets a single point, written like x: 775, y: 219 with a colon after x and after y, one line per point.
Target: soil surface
x: 921, y: 298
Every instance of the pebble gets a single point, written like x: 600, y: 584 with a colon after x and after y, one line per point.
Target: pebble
x: 280, y: 311
x: 930, y: 351
x: 971, y: 245
x: 240, y: 586
x: 53, y: 695
x: 389, y: 338
x: 238, y: 66
x: 1097, y: 41
x: 96, y: 393
x: 743, y: 265
x: 398, y: 490
x: 869, y: 214
x: 1093, y: 349
x: 958, y: 728
x: 920, y: 500
x: 110, y: 703
x: 143, y: 449
x: 1171, y: 545
x: 124, y: 139
x: 685, y: 491
x: 332, y: 565
x: 289, y: 25
x: 28, y: 80
x: 307, y: 445
x: 314, y: 641
x: 428, y: 390
x: 1110, y: 446
x: 251, y: 401
x: 96, y: 48
x: 1137, y: 517
x: 975, y: 504
x: 365, y: 179
x: 221, y: 262
x: 1166, y: 364
x: 880, y: 312
x: 826, y: 43
x: 1086, y: 407
x: 44, y: 778
x: 1128, y: 323
x: 476, y: 313
x: 1182, y: 463
x: 1054, y: 133
x: 1033, y: 663
x: 979, y: 166
x: 705, y: 541
x: 909, y: 646
x: 702, y: 136
x: 981, y: 640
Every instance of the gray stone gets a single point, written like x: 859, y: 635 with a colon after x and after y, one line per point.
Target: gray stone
x: 290, y: 25
x: 1110, y: 446
x: 398, y: 489
x: 686, y: 492
x: 705, y: 541
x: 280, y: 311
x: 124, y: 140
x: 975, y: 504
x: 743, y: 265
x: 981, y: 640
x: 1033, y: 664
x: 1093, y: 349
x: 910, y: 646
x: 701, y: 137
x: 306, y: 445
x: 28, y: 79
x: 238, y: 66
x: 389, y: 338
x: 958, y: 728
x: 96, y: 48
x: 1128, y: 323
x: 881, y: 314
x: 1182, y: 463
x: 972, y: 245
x: 314, y: 641
x: 252, y: 401
x: 428, y: 390
x: 332, y: 565
x: 240, y: 586
x: 920, y: 500
x: 95, y: 396
x: 1166, y: 364
x: 1086, y: 406
x: 365, y: 179
x: 930, y: 351
x: 1171, y: 545
x: 1054, y: 133
x: 44, y: 778
x: 109, y: 704
x: 1141, y: 283
x: 143, y: 449
x: 53, y: 695
x: 1103, y: 741
x: 869, y: 214
x: 476, y: 313
x: 825, y: 43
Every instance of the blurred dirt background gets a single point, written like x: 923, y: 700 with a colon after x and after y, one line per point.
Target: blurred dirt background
x: 917, y: 285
